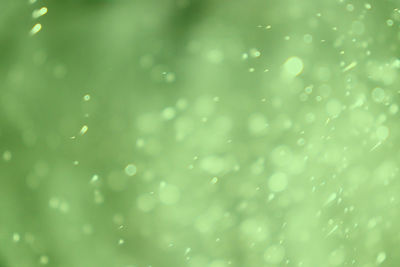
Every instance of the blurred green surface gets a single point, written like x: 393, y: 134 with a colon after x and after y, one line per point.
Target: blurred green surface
x: 199, y: 133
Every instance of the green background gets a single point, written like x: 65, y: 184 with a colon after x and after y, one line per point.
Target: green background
x: 219, y: 133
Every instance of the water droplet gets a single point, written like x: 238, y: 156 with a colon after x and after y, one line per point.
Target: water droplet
x: 83, y: 130
x: 169, y: 194
x: 168, y: 113
x: 389, y: 22
x: 145, y: 202
x: 7, y: 155
x: 140, y: 142
x: 349, y: 7
x: 307, y: 38
x: 98, y: 197
x: 257, y: 124
x: 277, y: 182
x: 36, y: 29
x: 182, y: 104
x: 333, y: 108
x: 331, y: 198
x: 39, y: 12
x: 87, y: 229
x: 337, y: 257
x: 309, y: 89
x: 378, y: 94
x: 254, y: 53
x: 130, y: 170
x: 170, y: 77
x: 44, y: 260
x: 393, y: 109
x: 94, y: 179
x: 381, y: 257
x: 358, y: 27
x: 352, y: 65
x: 215, y: 56
x: 274, y: 254
x: 301, y: 142
x: 86, y: 97
x: 293, y: 66
x: 382, y: 132
x: 16, y: 237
